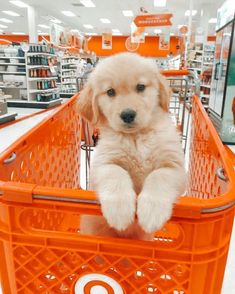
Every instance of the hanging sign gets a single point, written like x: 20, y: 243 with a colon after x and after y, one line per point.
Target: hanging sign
x: 107, y: 41
x: 137, y: 34
x: 164, y: 41
x: 153, y: 20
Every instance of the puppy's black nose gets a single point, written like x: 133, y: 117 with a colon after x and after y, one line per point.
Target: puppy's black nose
x: 128, y: 116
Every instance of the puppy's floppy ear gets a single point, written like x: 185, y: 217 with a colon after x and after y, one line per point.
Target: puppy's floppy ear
x: 87, y: 104
x: 164, y: 92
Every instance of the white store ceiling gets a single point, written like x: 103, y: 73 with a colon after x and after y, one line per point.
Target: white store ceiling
x: 110, y: 9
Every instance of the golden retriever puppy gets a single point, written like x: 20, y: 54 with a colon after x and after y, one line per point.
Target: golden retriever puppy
x: 138, y: 166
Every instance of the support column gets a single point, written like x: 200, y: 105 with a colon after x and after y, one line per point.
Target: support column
x: 33, y: 36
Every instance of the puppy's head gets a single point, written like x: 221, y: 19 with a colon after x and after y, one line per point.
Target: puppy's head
x: 125, y: 92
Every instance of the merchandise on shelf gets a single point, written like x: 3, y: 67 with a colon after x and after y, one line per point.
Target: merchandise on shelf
x: 41, y: 74
x: 13, y: 71
x: 70, y: 66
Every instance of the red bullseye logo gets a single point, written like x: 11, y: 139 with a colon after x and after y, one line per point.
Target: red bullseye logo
x: 97, y: 284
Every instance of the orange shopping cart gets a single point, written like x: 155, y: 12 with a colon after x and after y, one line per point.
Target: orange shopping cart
x: 42, y: 250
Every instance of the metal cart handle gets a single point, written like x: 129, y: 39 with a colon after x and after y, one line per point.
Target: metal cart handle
x: 220, y: 174
x: 10, y: 159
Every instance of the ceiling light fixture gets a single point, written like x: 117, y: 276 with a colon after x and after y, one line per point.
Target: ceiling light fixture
x: 88, y: 26
x: 55, y: 20
x: 117, y: 34
x: 43, y: 26
x: 9, y: 12
x: 128, y: 13
x: 157, y: 31
x: 187, y: 12
x: 68, y: 13
x: 115, y: 30
x: 6, y: 20
x: 91, y: 34
x: 213, y: 20
x: 3, y: 26
x: 159, y: 3
x: 87, y: 3
x: 20, y: 4
x: 18, y: 33
x: 105, y: 20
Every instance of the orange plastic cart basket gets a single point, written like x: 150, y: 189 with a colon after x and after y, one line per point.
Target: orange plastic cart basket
x: 42, y: 250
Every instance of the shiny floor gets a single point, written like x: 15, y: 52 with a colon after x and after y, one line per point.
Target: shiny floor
x: 10, y: 134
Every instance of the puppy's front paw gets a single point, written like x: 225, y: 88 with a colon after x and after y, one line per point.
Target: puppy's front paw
x: 119, y: 210
x: 152, y: 213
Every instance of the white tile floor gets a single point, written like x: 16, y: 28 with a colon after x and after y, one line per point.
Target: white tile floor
x: 13, y: 132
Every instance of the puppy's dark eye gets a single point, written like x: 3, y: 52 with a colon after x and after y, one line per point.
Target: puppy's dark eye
x: 111, y: 92
x: 140, y: 87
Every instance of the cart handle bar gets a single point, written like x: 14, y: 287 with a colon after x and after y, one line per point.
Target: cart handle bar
x: 96, y: 202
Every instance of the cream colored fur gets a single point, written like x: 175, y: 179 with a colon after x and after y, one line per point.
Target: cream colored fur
x: 138, y: 170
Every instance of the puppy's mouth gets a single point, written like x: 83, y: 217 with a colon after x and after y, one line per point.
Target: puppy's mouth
x: 129, y: 128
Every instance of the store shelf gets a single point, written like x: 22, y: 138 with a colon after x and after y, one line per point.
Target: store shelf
x: 70, y: 63
x: 42, y: 79
x: 68, y: 69
x: 14, y: 57
x: 38, y: 66
x: 34, y: 104
x: 40, y: 53
x: 71, y: 57
x: 7, y: 117
x: 208, y: 63
x: 195, y: 60
x: 68, y: 83
x: 206, y: 86
x: 14, y: 87
x: 13, y: 72
x: 198, y: 51
x: 69, y: 93
x: 195, y: 68
x: 11, y: 63
x: 43, y: 91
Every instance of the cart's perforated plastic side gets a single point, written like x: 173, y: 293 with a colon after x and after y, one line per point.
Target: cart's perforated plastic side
x: 50, y: 156
x: 205, y: 159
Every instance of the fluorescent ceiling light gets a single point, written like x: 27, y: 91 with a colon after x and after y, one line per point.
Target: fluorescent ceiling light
x: 18, y: 33
x: 43, y: 26
x: 187, y: 12
x: 117, y: 34
x: 157, y: 31
x: 87, y: 3
x: 115, y: 30
x: 159, y: 3
x: 3, y: 26
x: 55, y: 20
x: 91, y: 34
x: 88, y: 26
x: 213, y: 20
x: 19, y: 4
x: 42, y: 33
x: 172, y: 34
x: 9, y: 12
x: 105, y: 20
x: 68, y: 13
x: 6, y: 20
x: 128, y: 13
